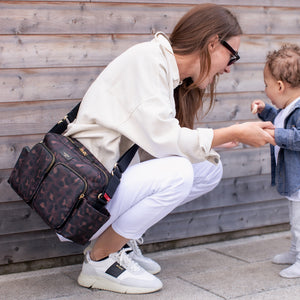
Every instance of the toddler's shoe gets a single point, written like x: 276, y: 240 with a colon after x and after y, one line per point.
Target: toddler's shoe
x: 117, y: 273
x: 286, y: 258
x: 292, y: 271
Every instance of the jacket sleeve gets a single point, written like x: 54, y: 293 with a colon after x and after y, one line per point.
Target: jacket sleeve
x: 268, y: 114
x: 289, y: 137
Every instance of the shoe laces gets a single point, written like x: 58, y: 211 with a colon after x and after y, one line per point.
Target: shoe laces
x: 125, y: 261
x: 133, y: 244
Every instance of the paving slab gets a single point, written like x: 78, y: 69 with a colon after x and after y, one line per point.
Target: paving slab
x: 254, y: 249
x: 237, y: 281
x: 43, y: 284
x: 286, y: 293
x: 174, y: 289
x: 193, y: 260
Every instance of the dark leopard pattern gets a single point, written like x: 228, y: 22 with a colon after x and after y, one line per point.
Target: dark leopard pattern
x: 61, y: 180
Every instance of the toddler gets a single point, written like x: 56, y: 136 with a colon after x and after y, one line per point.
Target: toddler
x: 282, y: 87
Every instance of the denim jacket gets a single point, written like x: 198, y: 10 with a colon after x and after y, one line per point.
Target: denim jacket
x: 286, y: 174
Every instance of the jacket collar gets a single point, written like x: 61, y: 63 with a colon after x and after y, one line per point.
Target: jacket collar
x: 164, y: 41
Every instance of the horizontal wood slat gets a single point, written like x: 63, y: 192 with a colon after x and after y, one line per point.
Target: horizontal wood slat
x: 266, y: 3
x: 37, y: 117
x: 72, y: 83
x: 41, y: 51
x: 82, y: 17
x: 218, y: 220
x: 46, y: 84
x: 34, y: 246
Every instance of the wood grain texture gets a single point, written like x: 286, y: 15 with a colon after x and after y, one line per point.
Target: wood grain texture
x: 50, y: 53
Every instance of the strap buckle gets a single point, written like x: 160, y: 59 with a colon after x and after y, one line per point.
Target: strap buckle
x: 65, y: 118
x: 103, y: 198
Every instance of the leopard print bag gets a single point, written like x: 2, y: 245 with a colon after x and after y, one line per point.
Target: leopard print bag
x: 66, y: 185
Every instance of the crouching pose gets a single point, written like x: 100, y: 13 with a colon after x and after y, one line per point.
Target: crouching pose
x: 150, y: 95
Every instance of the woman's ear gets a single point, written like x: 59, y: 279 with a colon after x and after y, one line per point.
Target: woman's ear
x: 214, y: 41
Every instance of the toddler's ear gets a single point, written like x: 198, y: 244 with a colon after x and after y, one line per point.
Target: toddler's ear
x: 281, y: 86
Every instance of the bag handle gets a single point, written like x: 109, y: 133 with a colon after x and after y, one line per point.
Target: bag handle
x: 120, y: 166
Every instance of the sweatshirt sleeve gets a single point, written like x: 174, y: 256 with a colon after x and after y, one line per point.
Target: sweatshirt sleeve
x: 154, y: 128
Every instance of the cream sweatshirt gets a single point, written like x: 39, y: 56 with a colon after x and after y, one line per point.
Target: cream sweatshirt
x: 132, y: 101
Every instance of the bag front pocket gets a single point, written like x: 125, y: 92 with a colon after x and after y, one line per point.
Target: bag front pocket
x: 61, y: 191
x: 30, y: 169
x: 84, y: 222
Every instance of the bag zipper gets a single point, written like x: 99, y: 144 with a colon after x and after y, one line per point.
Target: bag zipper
x: 53, y: 158
x: 46, y: 171
x: 81, y: 196
x: 86, y: 155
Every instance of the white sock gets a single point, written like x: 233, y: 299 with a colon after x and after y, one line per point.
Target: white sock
x: 287, y: 258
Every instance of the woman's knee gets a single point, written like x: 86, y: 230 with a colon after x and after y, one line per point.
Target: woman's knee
x: 218, y: 173
x: 207, y: 175
x: 182, y: 174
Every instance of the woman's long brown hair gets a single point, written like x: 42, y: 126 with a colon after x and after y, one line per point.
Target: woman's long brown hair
x: 192, y: 34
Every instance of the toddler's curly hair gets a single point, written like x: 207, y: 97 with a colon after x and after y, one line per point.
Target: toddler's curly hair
x: 284, y: 64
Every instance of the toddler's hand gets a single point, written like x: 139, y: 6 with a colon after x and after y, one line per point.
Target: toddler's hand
x: 271, y: 132
x: 257, y: 106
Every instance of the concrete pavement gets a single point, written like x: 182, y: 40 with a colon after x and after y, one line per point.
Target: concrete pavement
x: 238, y: 269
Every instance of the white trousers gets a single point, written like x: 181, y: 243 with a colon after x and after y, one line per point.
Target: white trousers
x: 152, y: 189
x: 294, y: 212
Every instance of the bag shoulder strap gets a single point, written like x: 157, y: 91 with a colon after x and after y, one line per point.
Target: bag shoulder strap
x: 62, y: 125
x: 116, y: 173
x: 126, y: 158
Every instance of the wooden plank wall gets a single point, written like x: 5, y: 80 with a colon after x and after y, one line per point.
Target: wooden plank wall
x: 51, y: 51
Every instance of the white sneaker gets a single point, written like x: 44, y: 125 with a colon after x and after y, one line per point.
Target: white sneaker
x: 136, y: 254
x: 117, y: 273
x: 286, y: 258
x: 145, y: 262
x: 292, y: 271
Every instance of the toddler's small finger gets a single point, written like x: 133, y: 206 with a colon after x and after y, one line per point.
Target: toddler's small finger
x: 254, y: 109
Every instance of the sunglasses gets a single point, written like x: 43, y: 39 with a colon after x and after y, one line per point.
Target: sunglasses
x: 234, y: 57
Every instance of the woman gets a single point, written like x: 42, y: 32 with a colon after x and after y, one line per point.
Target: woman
x: 133, y: 101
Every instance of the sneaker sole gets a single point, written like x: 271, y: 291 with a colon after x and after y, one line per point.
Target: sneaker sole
x: 109, y: 285
x: 283, y: 263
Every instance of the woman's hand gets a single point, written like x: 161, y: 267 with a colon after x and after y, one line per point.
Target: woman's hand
x: 255, y: 134
x: 257, y: 106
